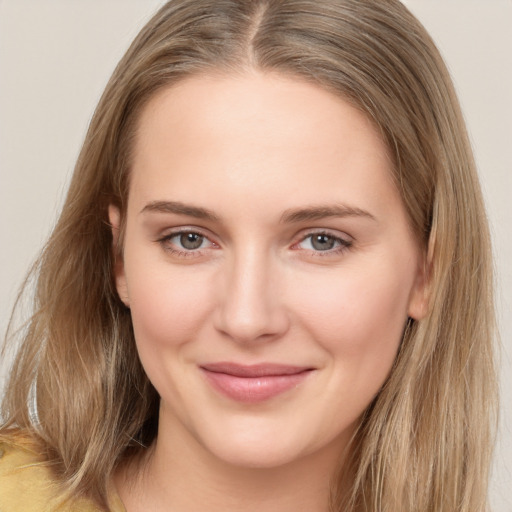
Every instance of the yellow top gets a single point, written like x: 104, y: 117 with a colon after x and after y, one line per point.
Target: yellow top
x: 28, y: 486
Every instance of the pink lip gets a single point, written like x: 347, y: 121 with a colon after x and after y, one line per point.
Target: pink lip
x: 253, y: 383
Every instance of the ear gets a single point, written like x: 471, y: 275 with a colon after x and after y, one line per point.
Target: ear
x: 419, y: 299
x: 114, y: 217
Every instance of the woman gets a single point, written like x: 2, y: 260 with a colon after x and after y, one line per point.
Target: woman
x: 263, y: 288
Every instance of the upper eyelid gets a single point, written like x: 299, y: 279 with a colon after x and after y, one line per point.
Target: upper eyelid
x: 342, y: 241
x: 170, y: 232
x: 341, y: 235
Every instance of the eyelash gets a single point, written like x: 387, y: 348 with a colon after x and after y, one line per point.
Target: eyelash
x: 341, y: 244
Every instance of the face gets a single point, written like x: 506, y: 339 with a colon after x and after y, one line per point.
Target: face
x: 268, y: 265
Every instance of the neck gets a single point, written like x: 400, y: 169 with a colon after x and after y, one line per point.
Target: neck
x: 179, y: 474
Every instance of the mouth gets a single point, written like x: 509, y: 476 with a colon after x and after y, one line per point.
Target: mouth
x: 254, y: 383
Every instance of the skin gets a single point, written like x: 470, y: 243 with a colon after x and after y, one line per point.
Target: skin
x: 273, y: 160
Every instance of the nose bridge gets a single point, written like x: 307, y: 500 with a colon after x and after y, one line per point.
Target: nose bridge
x: 250, y: 305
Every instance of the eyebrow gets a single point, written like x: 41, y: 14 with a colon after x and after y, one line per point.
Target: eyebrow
x: 180, y: 209
x: 290, y: 216
x: 322, y: 212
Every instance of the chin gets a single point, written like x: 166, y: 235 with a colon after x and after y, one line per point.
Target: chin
x: 261, y: 456
x: 265, y: 445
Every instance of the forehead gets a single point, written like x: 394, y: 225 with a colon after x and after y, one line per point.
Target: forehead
x: 259, y: 105
x: 257, y: 135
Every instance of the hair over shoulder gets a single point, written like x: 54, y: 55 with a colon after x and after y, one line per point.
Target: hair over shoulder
x: 425, y: 442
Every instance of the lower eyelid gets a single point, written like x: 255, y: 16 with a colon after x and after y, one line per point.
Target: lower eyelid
x: 180, y: 253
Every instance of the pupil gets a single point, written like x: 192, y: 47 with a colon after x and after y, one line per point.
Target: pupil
x: 191, y: 240
x: 323, y: 242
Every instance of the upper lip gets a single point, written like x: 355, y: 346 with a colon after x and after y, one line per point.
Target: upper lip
x: 254, y: 370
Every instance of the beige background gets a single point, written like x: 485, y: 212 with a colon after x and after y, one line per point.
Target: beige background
x: 56, y: 56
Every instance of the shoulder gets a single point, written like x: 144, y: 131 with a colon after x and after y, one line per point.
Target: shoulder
x: 26, y: 483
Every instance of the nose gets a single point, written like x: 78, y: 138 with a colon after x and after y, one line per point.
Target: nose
x: 250, y: 306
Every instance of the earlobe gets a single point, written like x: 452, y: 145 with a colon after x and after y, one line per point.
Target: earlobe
x: 419, y: 300
x: 114, y: 217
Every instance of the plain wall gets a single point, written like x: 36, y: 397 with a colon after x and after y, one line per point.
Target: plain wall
x: 56, y: 57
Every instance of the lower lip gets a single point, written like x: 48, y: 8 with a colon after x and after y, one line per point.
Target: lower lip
x: 254, y: 389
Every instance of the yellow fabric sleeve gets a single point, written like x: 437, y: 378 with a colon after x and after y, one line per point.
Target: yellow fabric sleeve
x: 26, y: 485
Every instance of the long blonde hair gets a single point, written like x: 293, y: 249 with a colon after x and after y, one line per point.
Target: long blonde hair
x: 424, y: 443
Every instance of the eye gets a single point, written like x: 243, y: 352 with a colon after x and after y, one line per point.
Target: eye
x: 188, y: 241
x: 323, y: 242
x: 185, y: 243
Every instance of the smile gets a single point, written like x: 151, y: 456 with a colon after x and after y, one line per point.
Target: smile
x: 254, y: 383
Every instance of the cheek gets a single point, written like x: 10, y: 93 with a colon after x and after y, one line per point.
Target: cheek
x: 168, y: 308
x: 167, y: 305
x: 358, y: 318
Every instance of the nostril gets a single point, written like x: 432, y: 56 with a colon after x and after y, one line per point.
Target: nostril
x: 246, y: 323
